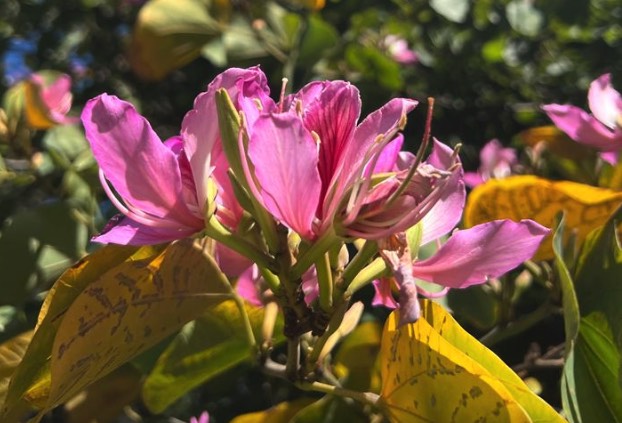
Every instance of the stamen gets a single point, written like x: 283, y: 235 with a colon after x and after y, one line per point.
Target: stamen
x: 284, y: 82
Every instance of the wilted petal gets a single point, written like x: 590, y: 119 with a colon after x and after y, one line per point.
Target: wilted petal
x: 604, y: 101
x: 141, y: 168
x: 285, y: 157
x: 488, y: 250
x: 583, y: 128
x: 124, y: 231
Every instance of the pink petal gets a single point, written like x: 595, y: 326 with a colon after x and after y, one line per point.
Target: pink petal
x: 472, y: 179
x: 388, y: 159
x: 446, y: 213
x: 333, y: 116
x: 285, y: 157
x: 610, y: 157
x: 247, y: 286
x: 310, y: 286
x: 200, y: 125
x: 140, y: 167
x: 383, y: 295
x: 124, y: 231
x: 583, y: 128
x: 488, y: 250
x: 605, y: 102
x: 230, y: 262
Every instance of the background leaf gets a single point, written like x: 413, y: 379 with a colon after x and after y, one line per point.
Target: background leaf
x: 205, y: 348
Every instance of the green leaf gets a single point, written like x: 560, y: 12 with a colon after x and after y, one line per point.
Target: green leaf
x: 524, y: 18
x: 569, y: 297
x: 169, y: 34
x: 319, y: 37
x: 590, y: 388
x: 36, y: 246
x: 205, y: 348
x: 453, y: 10
x: 66, y: 142
x: 476, y: 305
x: 375, y: 66
x: 11, y: 353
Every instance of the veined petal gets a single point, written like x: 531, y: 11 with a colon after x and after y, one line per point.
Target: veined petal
x: 127, y: 232
x: 604, y: 101
x: 285, y: 157
x: 141, y: 168
x: 446, y: 213
x: 387, y: 161
x: 583, y: 128
x: 333, y: 116
x: 200, y: 129
x: 488, y: 250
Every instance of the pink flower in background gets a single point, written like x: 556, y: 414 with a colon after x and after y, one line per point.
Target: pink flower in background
x: 496, y: 162
x: 397, y: 48
x: 163, y: 187
x: 203, y: 418
x: 50, y: 100
x: 601, y: 129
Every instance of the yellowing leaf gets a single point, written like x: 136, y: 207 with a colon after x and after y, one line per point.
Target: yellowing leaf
x: 32, y: 374
x: 129, y: 309
x: 280, y: 413
x: 11, y: 353
x: 530, y: 197
x: 555, y: 141
x: 356, y: 359
x: 37, y: 114
x: 433, y: 371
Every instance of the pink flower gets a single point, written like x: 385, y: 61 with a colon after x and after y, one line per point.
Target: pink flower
x: 496, y: 162
x: 163, y: 187
x: 203, y: 418
x: 602, y: 129
x: 469, y: 257
x: 317, y: 170
x: 397, y: 48
x: 50, y: 100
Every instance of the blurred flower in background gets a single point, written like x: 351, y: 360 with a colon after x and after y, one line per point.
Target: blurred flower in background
x: 496, y: 162
x: 397, y: 48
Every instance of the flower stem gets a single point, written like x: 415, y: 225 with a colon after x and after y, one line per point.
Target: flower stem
x: 312, y: 255
x: 370, y: 272
x: 248, y: 328
x: 325, y: 282
x: 364, y: 397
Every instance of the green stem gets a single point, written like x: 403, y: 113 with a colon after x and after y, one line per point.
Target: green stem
x: 313, y: 254
x: 248, y: 328
x: 499, y: 333
x: 289, y: 66
x: 325, y: 282
x: 215, y: 230
x: 372, y: 271
x: 333, y: 325
x: 293, y: 358
x: 361, y: 259
x: 364, y: 397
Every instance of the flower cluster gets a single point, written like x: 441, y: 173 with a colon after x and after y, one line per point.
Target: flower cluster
x: 282, y: 184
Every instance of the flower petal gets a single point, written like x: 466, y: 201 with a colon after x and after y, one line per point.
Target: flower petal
x: 387, y: 161
x: 604, y: 101
x: 285, y: 157
x: 141, y: 168
x: 382, y: 293
x: 488, y: 250
x: 446, y: 213
x: 124, y: 231
x: 200, y: 129
x: 583, y: 128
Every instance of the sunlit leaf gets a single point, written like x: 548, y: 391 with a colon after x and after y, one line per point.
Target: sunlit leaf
x: 129, y: 309
x: 205, y: 348
x: 524, y: 18
x: 433, y: 370
x: 169, y: 34
x: 280, y: 413
x: 530, y: 197
x: 555, y: 141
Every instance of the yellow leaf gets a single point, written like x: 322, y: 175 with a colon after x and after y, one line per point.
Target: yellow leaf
x: 129, y: 309
x: 530, y: 197
x: 427, y: 379
x: 355, y: 361
x: 556, y: 142
x: 280, y: 413
x: 37, y: 113
x: 33, y: 373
